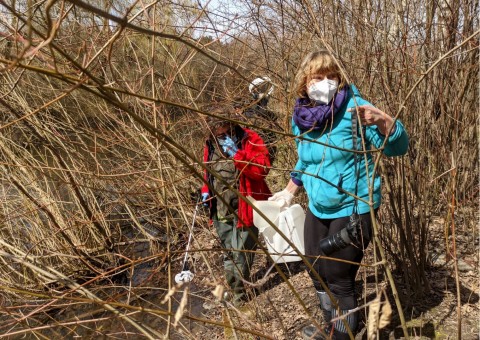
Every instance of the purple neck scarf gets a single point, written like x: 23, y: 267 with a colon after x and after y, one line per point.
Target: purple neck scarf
x: 308, y: 117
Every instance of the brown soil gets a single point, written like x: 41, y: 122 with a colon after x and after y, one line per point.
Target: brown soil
x: 275, y: 311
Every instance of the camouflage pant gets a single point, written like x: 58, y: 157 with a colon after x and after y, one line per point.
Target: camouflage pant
x: 237, y: 264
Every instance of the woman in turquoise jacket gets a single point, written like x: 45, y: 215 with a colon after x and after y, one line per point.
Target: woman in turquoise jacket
x: 331, y: 120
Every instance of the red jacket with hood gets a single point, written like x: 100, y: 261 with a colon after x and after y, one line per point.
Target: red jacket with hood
x: 253, y: 164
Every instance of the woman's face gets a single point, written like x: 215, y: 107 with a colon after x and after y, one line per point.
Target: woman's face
x: 319, y: 76
x: 221, y: 132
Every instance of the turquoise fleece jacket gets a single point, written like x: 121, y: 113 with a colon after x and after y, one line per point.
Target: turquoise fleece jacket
x: 328, y: 173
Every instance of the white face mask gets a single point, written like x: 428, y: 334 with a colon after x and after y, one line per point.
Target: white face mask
x: 323, y: 91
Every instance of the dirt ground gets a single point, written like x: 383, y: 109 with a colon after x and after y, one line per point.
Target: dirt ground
x: 278, y: 309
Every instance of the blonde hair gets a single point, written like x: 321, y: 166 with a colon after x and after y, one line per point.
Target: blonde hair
x: 316, y: 62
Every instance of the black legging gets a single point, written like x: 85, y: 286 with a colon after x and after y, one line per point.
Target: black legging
x: 339, y: 276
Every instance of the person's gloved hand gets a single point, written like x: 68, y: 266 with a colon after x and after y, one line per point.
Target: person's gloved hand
x: 228, y: 146
x: 205, y: 197
x: 283, y: 197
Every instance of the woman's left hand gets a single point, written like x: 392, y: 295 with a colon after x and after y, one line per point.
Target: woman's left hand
x: 370, y: 115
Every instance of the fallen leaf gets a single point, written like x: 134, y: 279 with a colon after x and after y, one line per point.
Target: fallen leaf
x: 385, y: 314
x: 218, y: 292
x: 181, y: 308
x: 169, y: 295
x: 373, y: 312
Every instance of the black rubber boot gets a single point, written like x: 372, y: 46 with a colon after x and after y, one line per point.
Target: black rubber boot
x: 312, y: 332
x: 340, y: 330
x: 325, y: 306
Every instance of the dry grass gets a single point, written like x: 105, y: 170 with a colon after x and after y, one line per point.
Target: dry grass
x: 101, y: 137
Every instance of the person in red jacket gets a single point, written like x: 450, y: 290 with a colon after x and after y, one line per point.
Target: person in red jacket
x: 237, y: 162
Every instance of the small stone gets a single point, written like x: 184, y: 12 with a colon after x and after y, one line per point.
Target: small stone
x: 464, y: 266
x: 440, y: 260
x: 208, y: 305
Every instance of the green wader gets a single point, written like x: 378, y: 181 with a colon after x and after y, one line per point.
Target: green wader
x: 237, y: 264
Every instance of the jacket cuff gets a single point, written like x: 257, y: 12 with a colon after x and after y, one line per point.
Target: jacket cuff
x: 295, y: 180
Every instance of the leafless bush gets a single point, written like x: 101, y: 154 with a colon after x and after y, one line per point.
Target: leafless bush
x: 102, y: 128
